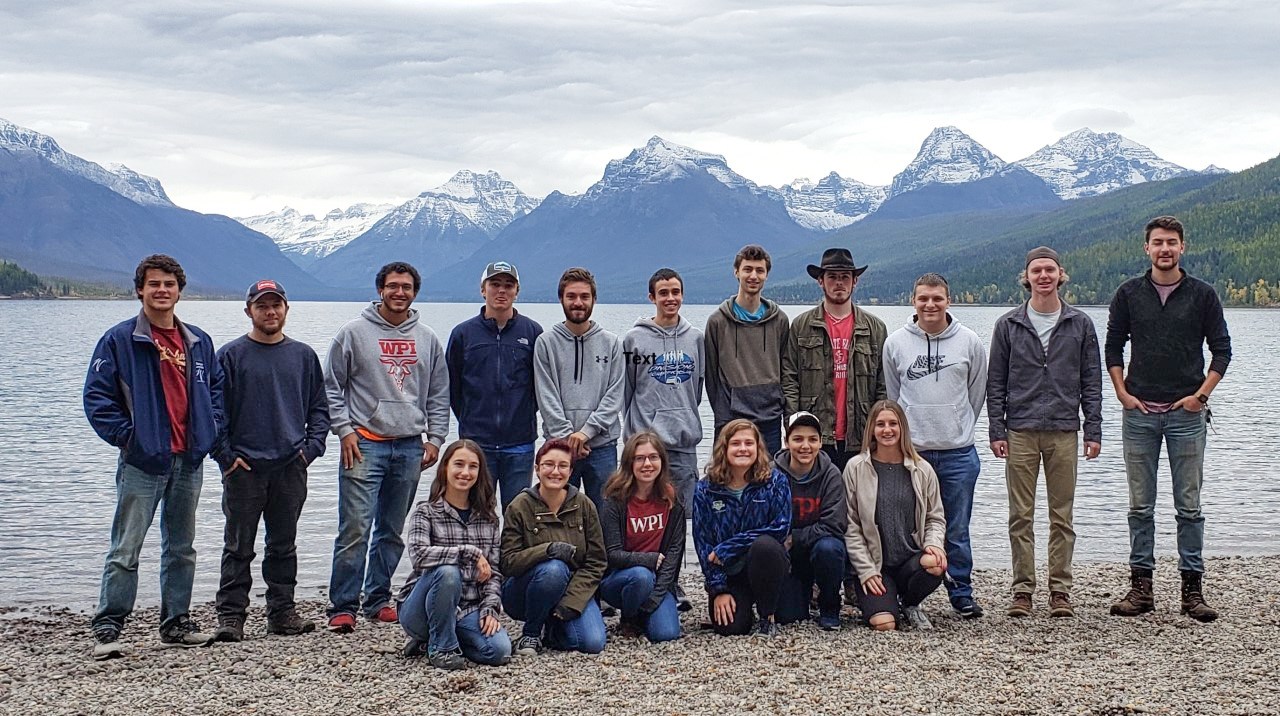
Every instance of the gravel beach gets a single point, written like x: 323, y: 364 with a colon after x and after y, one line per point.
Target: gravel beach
x: 1093, y: 664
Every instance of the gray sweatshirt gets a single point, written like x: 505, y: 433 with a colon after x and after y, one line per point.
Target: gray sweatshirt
x: 663, y: 386
x: 941, y: 381
x: 390, y: 380
x: 579, y: 383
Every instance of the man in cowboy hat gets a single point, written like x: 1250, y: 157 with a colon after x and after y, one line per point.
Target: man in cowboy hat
x: 831, y: 366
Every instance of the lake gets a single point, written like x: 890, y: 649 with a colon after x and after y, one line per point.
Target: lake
x: 57, y: 491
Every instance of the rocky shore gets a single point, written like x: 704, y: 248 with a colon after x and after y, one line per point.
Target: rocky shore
x: 1093, y: 664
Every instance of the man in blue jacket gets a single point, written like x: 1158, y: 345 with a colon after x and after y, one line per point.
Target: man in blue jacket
x: 153, y: 391
x: 491, y: 380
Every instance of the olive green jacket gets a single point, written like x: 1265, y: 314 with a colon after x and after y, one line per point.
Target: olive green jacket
x: 807, y: 373
x: 529, y: 526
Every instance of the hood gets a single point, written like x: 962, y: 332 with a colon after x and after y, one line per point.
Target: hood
x: 682, y: 327
x: 562, y: 331
x: 953, y: 327
x: 771, y: 311
x: 370, y: 314
x: 820, y: 466
x: 570, y: 492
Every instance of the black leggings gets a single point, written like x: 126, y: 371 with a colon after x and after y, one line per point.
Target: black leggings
x: 908, y: 584
x: 759, y: 582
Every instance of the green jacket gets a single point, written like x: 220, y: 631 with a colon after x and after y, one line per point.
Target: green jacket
x: 807, y: 373
x: 529, y: 526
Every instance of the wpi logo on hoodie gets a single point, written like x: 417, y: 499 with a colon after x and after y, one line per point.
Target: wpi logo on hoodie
x: 399, y: 355
x: 672, y: 368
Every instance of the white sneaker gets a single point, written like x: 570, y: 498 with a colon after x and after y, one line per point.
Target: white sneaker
x: 916, y: 618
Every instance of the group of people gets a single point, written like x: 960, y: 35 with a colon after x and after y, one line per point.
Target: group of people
x: 844, y: 455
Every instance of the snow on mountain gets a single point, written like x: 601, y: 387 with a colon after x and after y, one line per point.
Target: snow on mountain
x: 832, y: 203
x: 1214, y: 169
x: 660, y: 161
x: 304, y: 238
x: 947, y: 156
x: 486, y: 201
x: 122, y: 180
x: 1086, y: 163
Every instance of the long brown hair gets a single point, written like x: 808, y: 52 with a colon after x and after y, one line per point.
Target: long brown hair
x: 904, y: 432
x: 718, y: 469
x: 483, y: 503
x: 622, y: 484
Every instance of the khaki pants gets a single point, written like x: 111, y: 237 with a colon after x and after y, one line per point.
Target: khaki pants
x: 1022, y: 468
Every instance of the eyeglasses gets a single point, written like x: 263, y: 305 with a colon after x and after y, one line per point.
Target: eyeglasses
x: 555, y: 466
x: 642, y: 459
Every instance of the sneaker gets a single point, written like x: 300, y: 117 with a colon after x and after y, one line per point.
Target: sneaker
x: 966, y: 607
x: 385, y: 615
x: 1020, y: 606
x: 230, y: 629
x: 528, y: 646
x: 1060, y: 605
x: 829, y: 621
x: 106, y: 645
x: 916, y: 618
x: 413, y: 648
x: 184, y: 633
x: 767, y: 629
x: 290, y: 624
x: 448, y: 660
x: 682, y: 600
x: 342, y: 623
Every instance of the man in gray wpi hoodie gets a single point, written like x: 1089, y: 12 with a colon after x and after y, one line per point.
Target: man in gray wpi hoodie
x: 663, y: 381
x: 937, y: 370
x: 388, y: 389
x: 578, y: 373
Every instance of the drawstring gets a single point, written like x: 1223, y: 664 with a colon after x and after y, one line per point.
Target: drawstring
x: 577, y: 359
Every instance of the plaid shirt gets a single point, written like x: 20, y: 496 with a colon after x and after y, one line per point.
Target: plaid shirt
x: 438, y: 537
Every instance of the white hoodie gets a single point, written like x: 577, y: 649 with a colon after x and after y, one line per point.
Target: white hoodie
x: 941, y: 381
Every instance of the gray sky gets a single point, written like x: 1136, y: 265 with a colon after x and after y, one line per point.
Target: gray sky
x: 245, y: 107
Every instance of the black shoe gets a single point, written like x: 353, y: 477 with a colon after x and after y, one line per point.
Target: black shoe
x: 448, y: 660
x: 230, y: 629
x: 767, y: 629
x: 290, y: 624
x: 966, y: 607
x: 413, y: 648
x: 682, y: 600
x: 183, y: 632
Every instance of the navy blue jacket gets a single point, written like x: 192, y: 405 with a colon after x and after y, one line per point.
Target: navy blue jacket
x: 124, y: 398
x: 491, y: 387
x: 727, y: 524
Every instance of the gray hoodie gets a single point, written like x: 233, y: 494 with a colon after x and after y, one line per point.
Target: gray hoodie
x: 579, y: 383
x: 389, y: 380
x: 663, y: 385
x: 941, y: 381
x: 744, y: 364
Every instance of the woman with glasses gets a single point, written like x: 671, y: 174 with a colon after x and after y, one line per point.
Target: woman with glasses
x: 553, y: 557
x: 644, y: 541
x: 896, y: 523
x: 741, y: 517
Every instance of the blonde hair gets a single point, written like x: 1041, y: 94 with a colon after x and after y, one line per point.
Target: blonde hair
x: 904, y: 432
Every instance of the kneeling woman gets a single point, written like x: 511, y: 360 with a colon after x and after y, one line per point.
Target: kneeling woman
x: 553, y: 557
x: 644, y: 539
x: 450, y: 603
x: 896, y: 523
x: 741, y: 517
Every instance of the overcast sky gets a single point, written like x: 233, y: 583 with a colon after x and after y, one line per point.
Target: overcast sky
x: 245, y: 107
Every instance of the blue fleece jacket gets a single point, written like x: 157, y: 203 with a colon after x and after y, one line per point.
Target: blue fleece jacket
x: 124, y: 398
x: 727, y: 524
x: 491, y: 387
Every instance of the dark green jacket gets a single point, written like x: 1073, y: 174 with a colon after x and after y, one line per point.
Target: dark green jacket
x: 529, y: 526
x: 807, y: 373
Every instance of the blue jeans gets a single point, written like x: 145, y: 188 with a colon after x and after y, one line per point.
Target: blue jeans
x: 374, y: 496
x: 628, y: 589
x: 1183, y: 433
x: 138, y: 494
x: 957, y: 477
x: 594, y: 470
x: 771, y: 430
x: 532, y: 596
x: 511, y: 471
x: 822, y: 563
x: 430, y: 614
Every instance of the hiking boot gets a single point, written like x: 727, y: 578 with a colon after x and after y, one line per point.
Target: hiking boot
x: 767, y: 628
x: 106, y: 645
x: 1193, y: 604
x: 1140, y: 598
x: 184, y: 633
x: 1060, y: 605
x: 829, y: 621
x: 528, y: 646
x: 413, y: 648
x: 342, y: 623
x: 1020, y: 606
x: 916, y: 618
x: 290, y: 624
x: 230, y: 629
x: 385, y: 615
x: 451, y: 660
x: 966, y: 607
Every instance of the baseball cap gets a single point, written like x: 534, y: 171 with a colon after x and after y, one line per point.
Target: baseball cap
x: 262, y: 288
x: 803, y: 419
x: 500, y: 267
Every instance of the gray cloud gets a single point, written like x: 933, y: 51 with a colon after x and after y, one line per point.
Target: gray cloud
x: 324, y: 103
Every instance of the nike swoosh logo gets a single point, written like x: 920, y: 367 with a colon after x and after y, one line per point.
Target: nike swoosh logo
x: 913, y: 374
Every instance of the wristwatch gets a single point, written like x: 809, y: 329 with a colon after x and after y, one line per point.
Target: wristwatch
x: 1204, y: 399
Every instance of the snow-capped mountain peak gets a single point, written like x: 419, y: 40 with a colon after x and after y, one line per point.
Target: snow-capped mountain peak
x: 947, y: 156
x: 1214, y: 169
x: 305, y: 238
x: 661, y: 161
x: 484, y: 199
x: 1088, y: 163
x: 831, y: 203
x: 123, y: 181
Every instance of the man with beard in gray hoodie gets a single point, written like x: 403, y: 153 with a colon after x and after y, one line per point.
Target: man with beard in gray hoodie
x: 577, y: 368
x: 663, y: 381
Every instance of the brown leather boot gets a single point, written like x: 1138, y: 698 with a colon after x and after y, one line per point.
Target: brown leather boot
x: 1020, y: 606
x: 1193, y: 599
x: 1140, y: 598
x: 1060, y: 605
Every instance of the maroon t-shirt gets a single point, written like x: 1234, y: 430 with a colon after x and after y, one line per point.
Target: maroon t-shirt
x: 173, y: 378
x: 646, y: 521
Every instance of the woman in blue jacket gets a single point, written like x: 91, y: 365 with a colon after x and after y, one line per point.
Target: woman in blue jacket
x: 741, y: 517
